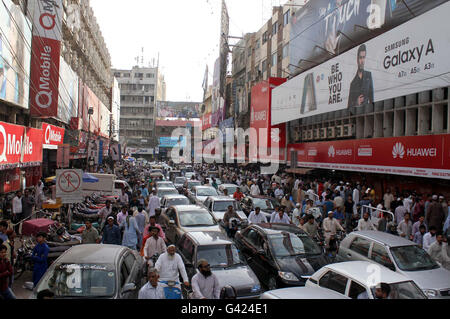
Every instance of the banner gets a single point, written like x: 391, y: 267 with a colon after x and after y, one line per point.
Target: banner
x: 405, y: 60
x: 206, y: 121
x: 423, y: 156
x: 33, y: 147
x: 171, y: 142
x: 114, y: 152
x: 140, y: 151
x: 15, y: 40
x: 53, y: 136
x: 323, y: 28
x: 46, y: 47
x: 182, y: 110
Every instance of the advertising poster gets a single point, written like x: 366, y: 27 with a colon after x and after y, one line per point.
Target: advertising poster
x: 405, y: 60
x: 182, y: 110
x: 15, y: 41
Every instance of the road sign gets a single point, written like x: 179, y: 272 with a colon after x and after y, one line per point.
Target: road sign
x: 69, y: 185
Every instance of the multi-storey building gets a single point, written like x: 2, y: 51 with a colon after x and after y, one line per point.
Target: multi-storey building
x: 140, y: 88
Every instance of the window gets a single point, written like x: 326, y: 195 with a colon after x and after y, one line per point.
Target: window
x: 150, y: 75
x: 258, y: 44
x: 274, y: 28
x: 360, y: 246
x: 254, y: 238
x: 285, y: 51
x: 124, y: 273
x: 249, y: 52
x: 355, y: 290
x: 187, y: 249
x: 117, y: 74
x: 129, y: 262
x: 334, y: 281
x: 274, y: 59
x: 286, y: 17
x: 381, y: 256
x: 264, y: 66
x: 126, y: 75
x: 265, y: 37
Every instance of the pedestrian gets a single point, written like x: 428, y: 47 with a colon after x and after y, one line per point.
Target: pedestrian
x: 152, y: 289
x: 111, y: 233
x: 419, y: 223
x: 27, y: 204
x: 404, y: 229
x: 39, y: 193
x: 131, y: 232
x: 280, y: 218
x: 365, y: 224
x: 205, y: 284
x: 439, y: 251
x: 348, y: 212
x: 153, y: 203
x: 382, y: 223
x: 122, y: 215
x: 296, y: 215
x: 39, y: 257
x: 339, y: 215
x: 429, y: 237
x: 6, y: 273
x: 90, y: 235
x: 154, y: 245
x: 141, y: 223
x: 256, y: 217
x: 123, y: 198
x: 17, y: 209
x: 328, y: 205
x: 3, y: 229
x: 435, y: 214
x: 400, y: 212
x: 418, y: 236
x: 104, y: 213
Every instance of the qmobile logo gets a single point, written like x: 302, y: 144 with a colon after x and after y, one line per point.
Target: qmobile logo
x: 52, y: 136
x: 331, y: 152
x: 398, y: 151
x: 13, y: 146
x: 275, y: 135
x: 48, y: 19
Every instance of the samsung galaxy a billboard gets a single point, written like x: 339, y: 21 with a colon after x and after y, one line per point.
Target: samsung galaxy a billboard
x: 408, y: 59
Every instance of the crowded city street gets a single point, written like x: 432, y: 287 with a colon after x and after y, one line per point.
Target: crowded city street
x: 295, y: 149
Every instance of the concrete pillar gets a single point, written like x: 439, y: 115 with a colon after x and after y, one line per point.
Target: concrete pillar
x: 368, y: 126
x: 378, y: 126
x: 360, y: 127
x: 424, y: 118
x: 437, y: 124
x: 411, y: 122
x: 388, y: 124
x: 411, y: 99
x: 399, y: 123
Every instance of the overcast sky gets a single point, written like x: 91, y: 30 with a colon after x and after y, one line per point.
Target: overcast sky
x: 184, y: 32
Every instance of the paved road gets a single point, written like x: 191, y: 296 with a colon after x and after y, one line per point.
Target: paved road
x: 17, y: 288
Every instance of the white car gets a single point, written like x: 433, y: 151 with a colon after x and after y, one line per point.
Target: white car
x: 164, y: 184
x: 358, y: 280
x: 218, y: 206
x: 302, y: 293
x: 231, y: 188
x: 199, y: 194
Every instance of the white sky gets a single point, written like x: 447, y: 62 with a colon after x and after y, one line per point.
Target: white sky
x: 184, y: 32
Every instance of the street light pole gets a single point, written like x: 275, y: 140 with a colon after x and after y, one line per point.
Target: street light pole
x: 90, y: 112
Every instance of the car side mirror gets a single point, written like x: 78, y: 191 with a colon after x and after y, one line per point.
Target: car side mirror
x: 28, y: 286
x: 129, y: 287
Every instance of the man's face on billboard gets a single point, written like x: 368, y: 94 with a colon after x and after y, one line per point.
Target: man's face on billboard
x: 361, y: 60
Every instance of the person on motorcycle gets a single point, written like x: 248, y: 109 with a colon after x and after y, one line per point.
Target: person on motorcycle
x: 330, y: 226
x: 170, y: 265
x: 205, y: 284
x: 226, y: 220
x: 152, y: 289
x: 153, y: 246
x: 39, y: 257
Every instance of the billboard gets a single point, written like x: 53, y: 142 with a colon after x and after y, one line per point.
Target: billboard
x: 323, y: 28
x: 68, y: 92
x: 182, y: 110
x: 53, y: 136
x: 115, y: 110
x: 46, y: 47
x: 171, y: 142
x: 405, y: 60
x: 224, y: 48
x: 423, y: 156
x: 15, y: 40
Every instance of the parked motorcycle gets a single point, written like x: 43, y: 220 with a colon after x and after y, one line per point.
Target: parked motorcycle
x: 24, y: 261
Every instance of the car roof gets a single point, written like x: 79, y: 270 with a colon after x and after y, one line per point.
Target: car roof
x: 189, y: 208
x: 166, y: 189
x: 193, y: 180
x: 385, y: 238
x: 282, y: 227
x: 209, y: 238
x: 92, y: 254
x: 160, y: 182
x: 361, y: 271
x: 221, y: 198
x: 203, y: 187
x: 268, y: 231
x: 228, y: 185
x: 305, y: 293
x: 174, y: 196
x: 261, y: 197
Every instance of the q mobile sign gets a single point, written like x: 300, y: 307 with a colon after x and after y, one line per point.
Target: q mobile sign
x: 53, y: 136
x: 46, y: 47
x: 408, y: 59
x: 422, y: 156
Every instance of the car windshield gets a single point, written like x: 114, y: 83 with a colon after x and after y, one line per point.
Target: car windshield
x: 219, y: 256
x: 164, y: 184
x: 222, y: 206
x: 163, y: 192
x: 180, y: 180
x: 80, y: 281
x: 193, y: 184
x: 206, y: 192
x: 178, y: 201
x: 264, y: 204
x: 403, y: 290
x: 196, y: 218
x: 412, y: 258
x: 288, y: 244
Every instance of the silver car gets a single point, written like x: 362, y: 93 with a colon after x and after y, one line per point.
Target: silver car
x: 199, y: 194
x: 303, y: 293
x: 218, y: 206
x: 400, y: 255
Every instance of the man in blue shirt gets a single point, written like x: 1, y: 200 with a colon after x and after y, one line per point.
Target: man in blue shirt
x: 39, y: 257
x: 111, y: 233
x: 328, y: 206
x: 3, y: 229
x: 339, y: 215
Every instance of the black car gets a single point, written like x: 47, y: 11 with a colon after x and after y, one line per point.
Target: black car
x: 281, y: 255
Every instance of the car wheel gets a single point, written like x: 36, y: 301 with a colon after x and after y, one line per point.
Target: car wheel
x: 272, y: 283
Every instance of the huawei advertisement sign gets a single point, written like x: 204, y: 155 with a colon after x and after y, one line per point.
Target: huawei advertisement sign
x: 424, y: 156
x: 408, y: 59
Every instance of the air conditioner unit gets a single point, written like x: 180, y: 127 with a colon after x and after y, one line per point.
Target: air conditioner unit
x: 323, y: 133
x: 316, y: 133
x: 331, y: 132
x: 310, y: 135
x: 348, y: 130
x: 339, y: 131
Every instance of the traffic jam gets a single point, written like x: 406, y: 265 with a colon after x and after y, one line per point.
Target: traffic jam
x: 159, y: 231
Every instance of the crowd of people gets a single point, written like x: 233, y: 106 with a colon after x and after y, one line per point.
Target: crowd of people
x: 137, y: 222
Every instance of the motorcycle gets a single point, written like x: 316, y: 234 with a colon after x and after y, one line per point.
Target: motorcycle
x: 333, y: 247
x: 171, y: 289
x: 24, y: 261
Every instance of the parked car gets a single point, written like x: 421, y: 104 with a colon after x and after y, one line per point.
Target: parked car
x: 226, y: 262
x: 164, y: 184
x: 302, y: 293
x: 280, y: 258
x: 163, y: 191
x: 179, y: 182
x: 231, y: 188
x: 189, y: 218
x: 174, y: 200
x: 218, y: 206
x: 355, y: 279
x: 189, y: 184
x: 199, y: 194
x: 399, y: 255
x: 94, y: 272
x: 266, y: 203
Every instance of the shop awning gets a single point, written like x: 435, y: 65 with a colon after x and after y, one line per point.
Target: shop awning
x: 300, y: 171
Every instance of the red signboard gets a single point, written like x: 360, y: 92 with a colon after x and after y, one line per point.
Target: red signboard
x: 53, y: 135
x: 424, y: 156
x: 206, y: 121
x: 33, y: 147
x: 260, y: 119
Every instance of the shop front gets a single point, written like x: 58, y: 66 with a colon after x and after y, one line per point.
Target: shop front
x: 53, y: 142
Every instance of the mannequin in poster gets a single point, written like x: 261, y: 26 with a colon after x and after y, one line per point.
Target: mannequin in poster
x: 361, y: 88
